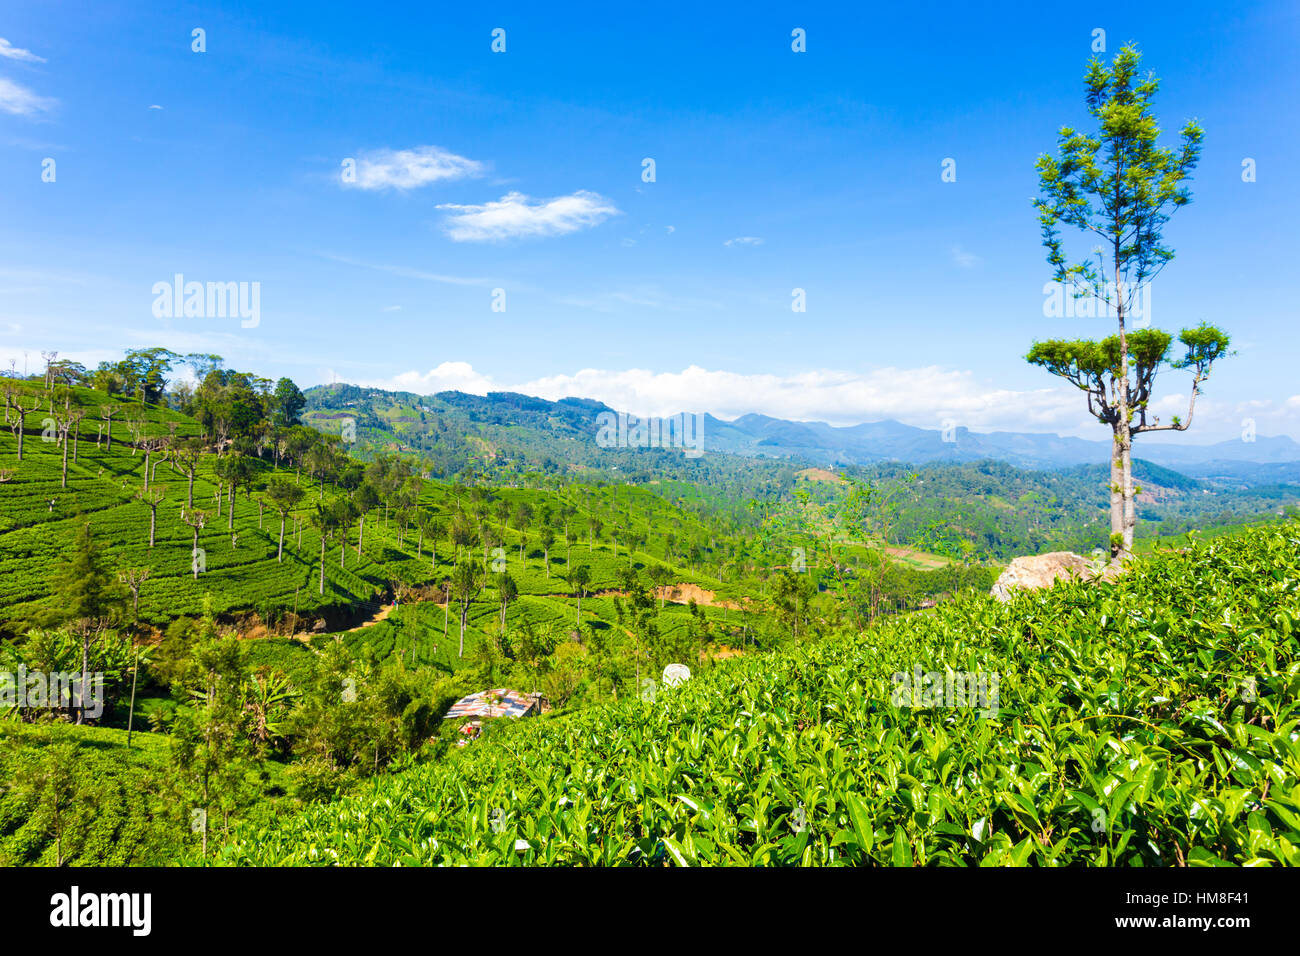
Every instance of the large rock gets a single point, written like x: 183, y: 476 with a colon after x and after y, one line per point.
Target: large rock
x: 1044, y: 570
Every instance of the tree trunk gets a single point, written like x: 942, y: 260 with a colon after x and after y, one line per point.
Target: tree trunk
x: 85, y: 662
x: 130, y: 714
x: 153, y: 522
x: 322, y: 563
x: 1130, y: 509
x: 1123, y: 427
x: 464, y: 612
x: 1116, y: 495
x: 279, y: 555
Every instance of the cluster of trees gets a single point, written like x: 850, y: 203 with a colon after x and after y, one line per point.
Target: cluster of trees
x: 232, y: 407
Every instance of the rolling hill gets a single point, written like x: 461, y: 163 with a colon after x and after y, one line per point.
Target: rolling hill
x: 563, y: 431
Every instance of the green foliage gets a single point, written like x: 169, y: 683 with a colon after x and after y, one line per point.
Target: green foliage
x: 1149, y: 722
x: 1121, y: 186
x: 80, y: 798
x: 1120, y: 182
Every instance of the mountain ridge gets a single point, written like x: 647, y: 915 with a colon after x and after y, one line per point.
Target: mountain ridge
x: 888, y: 440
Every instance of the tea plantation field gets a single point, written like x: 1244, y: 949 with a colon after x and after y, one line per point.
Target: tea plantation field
x: 39, y: 517
x: 1150, y: 722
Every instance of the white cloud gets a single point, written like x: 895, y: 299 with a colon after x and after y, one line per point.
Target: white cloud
x: 449, y: 376
x: 410, y: 168
x: 11, y: 52
x: 924, y: 397
x: 967, y: 260
x: 516, y: 216
x: 392, y: 308
x: 744, y: 241
x: 21, y: 101
x: 154, y: 106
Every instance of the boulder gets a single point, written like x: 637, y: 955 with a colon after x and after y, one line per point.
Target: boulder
x: 1044, y: 570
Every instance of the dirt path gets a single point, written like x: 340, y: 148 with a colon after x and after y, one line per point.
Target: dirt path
x: 672, y: 593
x: 378, y: 616
x: 685, y: 593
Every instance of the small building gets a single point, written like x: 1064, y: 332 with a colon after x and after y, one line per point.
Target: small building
x: 498, y: 702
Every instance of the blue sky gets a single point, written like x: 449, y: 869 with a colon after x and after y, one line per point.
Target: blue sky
x: 522, y: 171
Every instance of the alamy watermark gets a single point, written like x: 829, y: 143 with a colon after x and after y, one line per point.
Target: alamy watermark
x: 73, y: 909
x: 620, y: 430
x: 212, y: 300
x: 1061, y: 300
x: 950, y: 689
x: 39, y: 690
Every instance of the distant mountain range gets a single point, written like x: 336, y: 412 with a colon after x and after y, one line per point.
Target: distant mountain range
x: 564, y: 426
x: 891, y: 440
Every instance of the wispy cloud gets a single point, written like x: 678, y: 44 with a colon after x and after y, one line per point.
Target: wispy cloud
x: 405, y: 272
x: 644, y: 296
x: 744, y: 241
x: 21, y: 101
x: 410, y: 168
x: 11, y: 52
x: 966, y: 260
x: 43, y: 277
x: 516, y: 216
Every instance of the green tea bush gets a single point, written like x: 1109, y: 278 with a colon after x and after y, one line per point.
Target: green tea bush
x: 1150, y: 722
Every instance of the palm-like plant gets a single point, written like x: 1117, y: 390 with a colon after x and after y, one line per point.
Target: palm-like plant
x: 268, y: 698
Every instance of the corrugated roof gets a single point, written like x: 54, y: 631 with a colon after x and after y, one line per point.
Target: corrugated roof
x: 499, y: 702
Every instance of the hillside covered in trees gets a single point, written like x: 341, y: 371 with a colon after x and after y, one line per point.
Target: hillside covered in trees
x: 228, y: 559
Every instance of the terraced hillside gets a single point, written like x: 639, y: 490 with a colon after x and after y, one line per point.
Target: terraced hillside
x: 106, y: 485
x: 1150, y: 722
